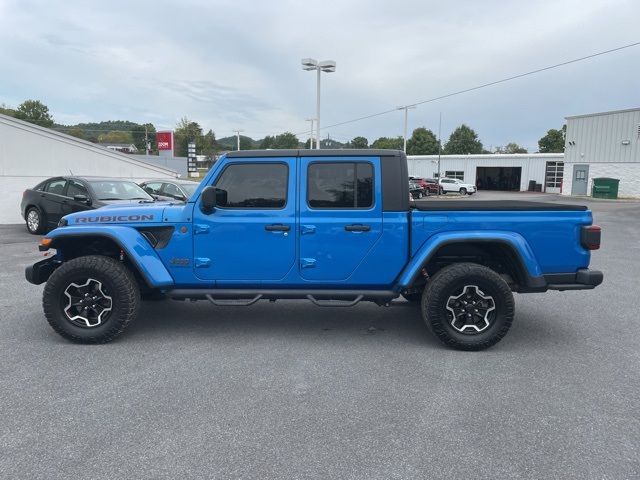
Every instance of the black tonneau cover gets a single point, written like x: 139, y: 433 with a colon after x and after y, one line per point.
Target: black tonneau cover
x: 493, y: 205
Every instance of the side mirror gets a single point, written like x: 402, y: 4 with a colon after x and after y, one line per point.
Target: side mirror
x: 208, y: 199
x: 82, y: 199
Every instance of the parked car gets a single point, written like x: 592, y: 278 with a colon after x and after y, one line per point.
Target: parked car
x: 334, y: 228
x: 45, y: 204
x: 429, y: 185
x: 416, y: 190
x: 454, y: 185
x: 164, y: 189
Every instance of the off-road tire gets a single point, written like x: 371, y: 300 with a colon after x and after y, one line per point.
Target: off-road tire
x: 42, y: 221
x: 448, y: 282
x: 117, y: 280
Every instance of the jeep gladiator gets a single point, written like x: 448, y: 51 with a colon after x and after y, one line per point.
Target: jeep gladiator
x: 335, y: 227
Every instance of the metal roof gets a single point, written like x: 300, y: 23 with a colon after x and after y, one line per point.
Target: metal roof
x: 611, y: 112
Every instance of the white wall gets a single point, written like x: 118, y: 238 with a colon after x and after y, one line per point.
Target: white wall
x: 30, y: 154
x: 627, y: 173
x: 533, y: 165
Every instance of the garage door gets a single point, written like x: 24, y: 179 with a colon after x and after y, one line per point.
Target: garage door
x: 498, y: 178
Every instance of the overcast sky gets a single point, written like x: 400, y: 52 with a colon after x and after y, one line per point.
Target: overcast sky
x: 236, y: 64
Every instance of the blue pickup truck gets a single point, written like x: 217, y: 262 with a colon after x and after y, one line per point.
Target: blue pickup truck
x: 335, y: 227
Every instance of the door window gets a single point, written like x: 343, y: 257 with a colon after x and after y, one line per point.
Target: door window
x: 76, y: 188
x: 253, y: 185
x: 340, y: 185
x: 171, y: 190
x: 152, y: 188
x: 56, y: 186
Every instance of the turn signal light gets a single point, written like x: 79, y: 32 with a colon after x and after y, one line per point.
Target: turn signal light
x: 590, y: 237
x: 45, y: 243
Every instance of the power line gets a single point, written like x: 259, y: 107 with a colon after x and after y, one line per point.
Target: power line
x: 489, y: 84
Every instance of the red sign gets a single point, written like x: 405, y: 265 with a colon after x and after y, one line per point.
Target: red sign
x: 165, y: 140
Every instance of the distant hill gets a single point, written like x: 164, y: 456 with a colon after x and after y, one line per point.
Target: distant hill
x: 231, y: 142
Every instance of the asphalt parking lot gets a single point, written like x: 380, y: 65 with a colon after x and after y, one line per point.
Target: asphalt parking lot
x: 289, y: 390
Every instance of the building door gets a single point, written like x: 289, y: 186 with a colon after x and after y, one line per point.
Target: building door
x: 580, y: 179
x: 553, y: 177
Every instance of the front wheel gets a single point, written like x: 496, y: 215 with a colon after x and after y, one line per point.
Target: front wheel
x: 468, y: 306
x: 463, y: 191
x: 91, y: 299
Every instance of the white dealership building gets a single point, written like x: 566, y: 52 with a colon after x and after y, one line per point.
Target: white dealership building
x: 30, y: 154
x: 597, y: 145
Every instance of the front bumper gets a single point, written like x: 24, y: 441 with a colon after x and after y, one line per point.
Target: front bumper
x: 40, y: 271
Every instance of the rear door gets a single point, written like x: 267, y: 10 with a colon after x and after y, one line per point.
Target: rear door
x: 53, y: 197
x: 250, y: 238
x: 340, y: 215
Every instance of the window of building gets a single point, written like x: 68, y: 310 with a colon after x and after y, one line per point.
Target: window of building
x: 56, y: 186
x: 253, y: 185
x: 340, y: 185
x: 454, y: 174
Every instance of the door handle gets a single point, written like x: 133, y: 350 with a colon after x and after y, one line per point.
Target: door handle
x: 277, y: 228
x: 357, y: 228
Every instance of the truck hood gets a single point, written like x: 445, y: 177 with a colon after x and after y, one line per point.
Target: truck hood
x: 120, y: 213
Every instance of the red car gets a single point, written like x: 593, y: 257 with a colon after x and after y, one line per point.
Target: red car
x: 429, y: 185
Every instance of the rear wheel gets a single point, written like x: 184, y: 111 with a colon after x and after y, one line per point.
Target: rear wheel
x: 91, y: 299
x: 35, y: 221
x: 468, y: 306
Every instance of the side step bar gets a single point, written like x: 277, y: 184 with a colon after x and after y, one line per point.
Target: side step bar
x: 321, y: 298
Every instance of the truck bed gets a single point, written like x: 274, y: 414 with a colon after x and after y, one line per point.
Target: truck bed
x: 493, y: 205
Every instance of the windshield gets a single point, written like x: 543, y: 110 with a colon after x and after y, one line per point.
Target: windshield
x: 189, y: 188
x: 118, y: 190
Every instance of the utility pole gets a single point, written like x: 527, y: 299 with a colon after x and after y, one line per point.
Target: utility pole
x: 146, y: 141
x: 311, y: 135
x: 237, y: 132
x: 439, y: 149
x: 406, y: 115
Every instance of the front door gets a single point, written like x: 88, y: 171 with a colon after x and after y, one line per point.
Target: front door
x: 250, y: 238
x: 580, y: 179
x: 52, y: 200
x: 340, y: 219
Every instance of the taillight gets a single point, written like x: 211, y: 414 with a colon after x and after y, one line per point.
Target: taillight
x: 590, y: 237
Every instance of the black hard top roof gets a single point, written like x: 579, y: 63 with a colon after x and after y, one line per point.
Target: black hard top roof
x: 343, y: 152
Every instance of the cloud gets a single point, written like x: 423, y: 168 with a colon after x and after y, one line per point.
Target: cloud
x: 235, y: 64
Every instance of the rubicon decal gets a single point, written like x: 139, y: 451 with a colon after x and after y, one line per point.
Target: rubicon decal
x: 115, y: 218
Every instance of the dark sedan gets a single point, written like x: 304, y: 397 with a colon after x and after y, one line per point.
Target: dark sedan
x: 45, y: 204
x: 164, y: 189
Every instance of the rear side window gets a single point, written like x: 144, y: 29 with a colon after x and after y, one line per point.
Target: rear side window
x: 56, y: 186
x: 340, y: 185
x: 152, y: 188
x: 253, y: 185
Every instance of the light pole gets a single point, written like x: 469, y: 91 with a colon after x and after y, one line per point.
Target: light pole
x: 439, y: 149
x: 406, y: 114
x: 324, y: 66
x: 237, y: 132
x: 311, y: 136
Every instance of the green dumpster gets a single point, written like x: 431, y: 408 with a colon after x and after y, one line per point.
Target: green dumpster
x: 605, y: 187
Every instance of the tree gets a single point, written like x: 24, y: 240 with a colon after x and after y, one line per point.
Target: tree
x: 267, y: 142
x: 553, y: 141
x: 285, y: 140
x: 139, y: 133
x: 463, y: 140
x: 511, y: 148
x: 186, y: 131
x: 34, y: 111
x: 396, y: 143
x: 358, y: 142
x: 7, y: 111
x: 207, y: 144
x: 422, y: 142
x: 76, y: 132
